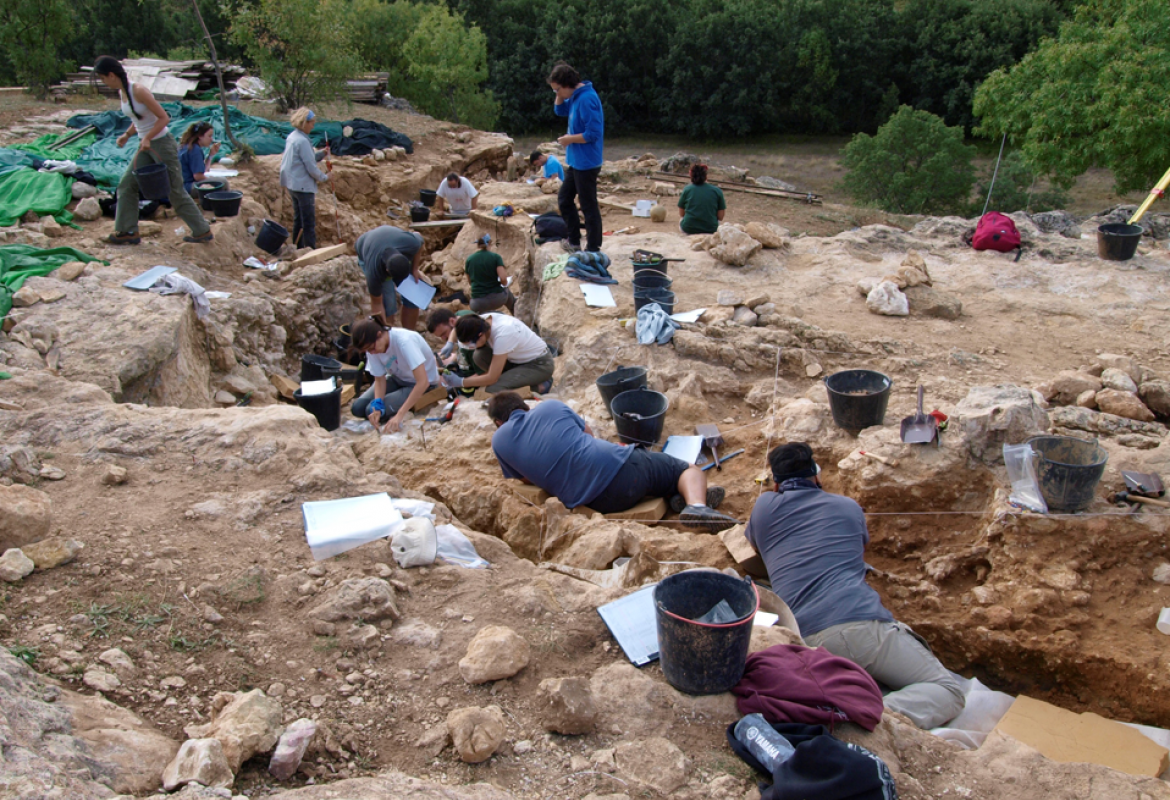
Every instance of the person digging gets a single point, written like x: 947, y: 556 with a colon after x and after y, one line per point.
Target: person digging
x: 553, y: 448
x: 404, y: 369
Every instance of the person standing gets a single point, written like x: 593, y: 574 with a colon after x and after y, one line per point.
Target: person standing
x: 457, y: 193
x: 489, y: 279
x: 156, y: 145
x: 388, y: 256
x: 701, y: 206
x: 404, y: 369
x: 577, y: 100
x: 191, y: 158
x: 299, y: 174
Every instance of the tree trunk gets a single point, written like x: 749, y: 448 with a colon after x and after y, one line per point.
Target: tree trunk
x: 227, y: 124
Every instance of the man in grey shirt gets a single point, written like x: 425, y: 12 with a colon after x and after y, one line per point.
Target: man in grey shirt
x: 388, y: 256
x: 813, y: 544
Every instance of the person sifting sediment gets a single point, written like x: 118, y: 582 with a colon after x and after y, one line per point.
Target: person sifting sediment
x: 404, y: 369
x: 300, y: 176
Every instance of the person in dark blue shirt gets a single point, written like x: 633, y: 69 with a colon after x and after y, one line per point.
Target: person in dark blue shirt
x: 191, y: 159
x: 813, y: 544
x: 551, y: 447
x: 577, y: 100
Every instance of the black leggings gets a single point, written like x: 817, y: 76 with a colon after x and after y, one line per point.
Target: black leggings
x: 581, y: 184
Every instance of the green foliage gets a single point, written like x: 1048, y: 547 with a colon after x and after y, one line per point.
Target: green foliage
x: 303, y: 48
x: 915, y: 164
x: 28, y: 655
x: 31, y: 35
x: 1017, y: 188
x: 447, y: 63
x: 1095, y: 96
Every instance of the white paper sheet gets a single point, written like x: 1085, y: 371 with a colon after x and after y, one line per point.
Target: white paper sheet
x: 221, y: 173
x: 684, y: 448
x: 334, y: 526
x: 597, y: 295
x: 634, y: 623
x: 416, y: 291
x: 144, y: 281
x: 688, y: 316
x: 312, y: 388
x: 764, y: 619
x: 642, y: 208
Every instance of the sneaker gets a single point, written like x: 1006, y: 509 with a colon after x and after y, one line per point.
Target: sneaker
x: 706, y: 518
x: 204, y: 239
x: 714, y: 498
x: 544, y: 387
x: 569, y: 247
x: 124, y: 238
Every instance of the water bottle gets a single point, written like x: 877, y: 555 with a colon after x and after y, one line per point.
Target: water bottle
x: 768, y: 747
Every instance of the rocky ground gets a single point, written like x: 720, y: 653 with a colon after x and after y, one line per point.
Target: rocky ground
x: 164, y: 595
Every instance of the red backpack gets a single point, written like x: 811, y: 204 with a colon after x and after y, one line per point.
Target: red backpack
x: 996, y: 231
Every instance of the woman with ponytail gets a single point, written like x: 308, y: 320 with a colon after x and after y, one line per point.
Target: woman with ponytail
x: 701, y: 205
x: 155, y: 146
x: 191, y: 158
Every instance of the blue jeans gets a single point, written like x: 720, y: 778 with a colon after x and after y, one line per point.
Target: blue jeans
x: 396, y: 393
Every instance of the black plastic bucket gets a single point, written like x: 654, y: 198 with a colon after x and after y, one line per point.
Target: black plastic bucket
x: 1069, y: 470
x: 651, y: 279
x: 153, y: 183
x: 858, y: 398
x: 325, y: 407
x: 419, y: 213
x: 207, y: 186
x: 271, y: 237
x: 651, y: 410
x: 226, y: 204
x: 427, y: 197
x: 318, y: 368
x: 702, y: 657
x: 622, y: 379
x: 663, y: 297
x: 1118, y: 242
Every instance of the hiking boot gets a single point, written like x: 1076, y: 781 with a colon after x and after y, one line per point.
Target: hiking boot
x: 569, y: 247
x: 204, y: 239
x: 706, y: 518
x: 714, y: 498
x: 543, y: 388
x: 124, y: 238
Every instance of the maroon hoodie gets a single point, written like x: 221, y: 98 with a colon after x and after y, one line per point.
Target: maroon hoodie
x: 790, y: 683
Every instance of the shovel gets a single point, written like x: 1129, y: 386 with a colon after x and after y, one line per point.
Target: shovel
x: 919, y: 428
x: 713, y: 439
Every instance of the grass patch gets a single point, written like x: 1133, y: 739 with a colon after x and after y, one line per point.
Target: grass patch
x: 246, y: 589
x: 28, y: 655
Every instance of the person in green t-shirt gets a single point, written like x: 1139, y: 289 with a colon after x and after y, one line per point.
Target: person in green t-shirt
x: 701, y: 205
x: 489, y: 279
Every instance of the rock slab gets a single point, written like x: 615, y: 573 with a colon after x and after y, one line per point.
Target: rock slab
x: 476, y: 732
x: 496, y: 652
x: 25, y: 515
x: 247, y: 725
x: 15, y: 565
x: 201, y: 761
x: 566, y: 705
x: 291, y: 748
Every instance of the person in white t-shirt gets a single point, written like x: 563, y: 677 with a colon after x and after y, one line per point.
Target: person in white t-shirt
x: 507, y: 351
x: 404, y: 369
x: 458, y: 193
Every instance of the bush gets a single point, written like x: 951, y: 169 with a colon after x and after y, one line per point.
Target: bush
x: 32, y: 32
x: 1016, y: 190
x: 915, y: 164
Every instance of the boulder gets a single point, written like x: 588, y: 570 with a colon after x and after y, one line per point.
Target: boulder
x: 1123, y: 363
x: 992, y: 416
x: 1156, y: 395
x: 82, y: 190
x: 201, y: 761
x: 769, y: 234
x: 745, y: 316
x: 566, y: 705
x: 732, y: 246
x: 1112, y: 378
x: 1123, y: 404
x: 927, y: 302
x: 654, y: 762
x: 291, y: 748
x: 1060, y: 222
x: 247, y: 725
x: 113, y: 475
x: 1067, y: 386
x: 87, y: 210
x: 496, y: 652
x: 476, y: 732
x: 51, y: 228
x: 15, y: 565
x: 52, y: 552
x: 69, y: 271
x: 371, y: 599
x: 729, y: 298
x: 887, y: 299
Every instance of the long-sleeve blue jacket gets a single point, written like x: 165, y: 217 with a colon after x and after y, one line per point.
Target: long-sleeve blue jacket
x: 583, y: 108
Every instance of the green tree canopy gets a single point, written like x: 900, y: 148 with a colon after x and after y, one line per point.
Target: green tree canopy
x: 915, y: 164
x: 1095, y: 96
x: 31, y: 33
x: 447, y: 62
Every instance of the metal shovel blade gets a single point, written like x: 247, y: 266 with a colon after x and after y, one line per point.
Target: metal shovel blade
x: 919, y: 428
x: 713, y: 439
x: 1144, y: 483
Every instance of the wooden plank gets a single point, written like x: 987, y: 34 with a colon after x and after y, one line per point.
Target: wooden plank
x: 805, y: 197
x: 320, y: 254
x: 285, y: 385
x: 347, y: 394
x: 448, y: 223
x: 615, y: 204
x: 438, y: 394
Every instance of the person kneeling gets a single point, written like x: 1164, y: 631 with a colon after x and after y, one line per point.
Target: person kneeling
x: 551, y: 447
x: 404, y: 369
x: 813, y: 545
x: 508, y: 353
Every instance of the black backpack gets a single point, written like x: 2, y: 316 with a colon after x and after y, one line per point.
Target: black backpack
x: 551, y: 227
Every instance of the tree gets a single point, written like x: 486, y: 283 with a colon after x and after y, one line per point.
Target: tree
x: 1016, y: 189
x: 1095, y: 96
x: 31, y: 32
x: 447, y: 64
x: 915, y: 164
x: 303, y: 48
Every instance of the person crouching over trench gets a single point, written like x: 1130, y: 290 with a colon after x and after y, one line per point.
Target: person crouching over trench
x: 404, y: 369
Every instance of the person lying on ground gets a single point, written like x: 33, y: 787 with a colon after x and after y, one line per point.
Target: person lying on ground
x: 388, y: 256
x: 701, y: 206
x: 300, y: 176
x: 813, y: 545
x: 548, y: 165
x: 458, y: 193
x: 508, y: 353
x: 489, y: 279
x: 551, y: 447
x: 192, y: 160
x: 403, y: 367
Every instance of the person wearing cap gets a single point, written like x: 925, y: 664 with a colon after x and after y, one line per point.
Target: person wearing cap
x: 813, y: 545
x: 508, y: 353
x: 404, y: 369
x: 548, y: 165
x: 489, y: 279
x: 551, y: 447
x: 388, y: 256
x: 458, y: 193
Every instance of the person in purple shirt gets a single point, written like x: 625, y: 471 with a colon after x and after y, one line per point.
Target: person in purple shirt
x: 813, y: 544
x: 551, y: 447
x: 583, y: 145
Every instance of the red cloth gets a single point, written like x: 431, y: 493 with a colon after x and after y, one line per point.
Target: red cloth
x: 790, y: 683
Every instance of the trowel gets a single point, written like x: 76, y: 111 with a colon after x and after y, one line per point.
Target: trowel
x: 713, y: 439
x: 1147, y: 484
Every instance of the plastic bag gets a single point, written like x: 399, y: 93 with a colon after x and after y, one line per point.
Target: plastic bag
x: 1021, y: 469
x: 455, y: 548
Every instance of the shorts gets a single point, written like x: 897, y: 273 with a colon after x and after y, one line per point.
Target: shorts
x: 390, y: 299
x: 644, y: 474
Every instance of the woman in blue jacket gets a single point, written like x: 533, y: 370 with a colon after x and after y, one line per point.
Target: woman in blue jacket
x: 583, y: 144
x: 299, y: 174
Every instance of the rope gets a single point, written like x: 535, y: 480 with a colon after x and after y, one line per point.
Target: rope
x: 991, y: 188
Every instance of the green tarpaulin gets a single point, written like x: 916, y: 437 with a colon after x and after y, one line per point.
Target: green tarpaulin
x: 19, y: 262
x: 25, y: 190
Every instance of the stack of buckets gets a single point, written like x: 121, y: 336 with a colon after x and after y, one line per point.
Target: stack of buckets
x: 652, y: 285
x: 624, y: 392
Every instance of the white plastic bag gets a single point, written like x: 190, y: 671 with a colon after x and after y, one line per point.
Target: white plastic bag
x: 1021, y: 469
x: 455, y: 548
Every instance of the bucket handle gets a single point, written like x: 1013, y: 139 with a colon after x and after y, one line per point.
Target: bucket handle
x: 735, y: 624
x: 647, y: 269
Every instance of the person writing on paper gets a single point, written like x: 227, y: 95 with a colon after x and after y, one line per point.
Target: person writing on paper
x: 403, y: 367
x: 548, y: 165
x: 813, y: 544
x: 388, y: 256
x: 701, y: 206
x: 191, y: 159
x: 458, y: 193
x: 508, y: 353
x: 551, y: 447
x: 489, y: 279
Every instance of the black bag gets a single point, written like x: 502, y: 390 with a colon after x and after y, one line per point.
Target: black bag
x: 551, y: 227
